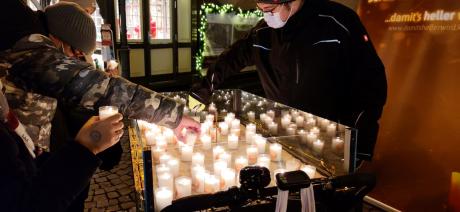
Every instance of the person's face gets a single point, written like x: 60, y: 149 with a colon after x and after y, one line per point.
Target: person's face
x: 283, y: 9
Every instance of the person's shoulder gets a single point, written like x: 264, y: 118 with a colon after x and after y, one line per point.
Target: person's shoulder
x: 337, y: 14
x: 334, y: 8
x: 32, y: 41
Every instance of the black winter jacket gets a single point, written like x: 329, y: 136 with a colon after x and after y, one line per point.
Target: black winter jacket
x: 322, y: 61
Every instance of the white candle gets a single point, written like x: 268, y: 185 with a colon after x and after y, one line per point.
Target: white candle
x: 292, y: 165
x: 310, y: 170
x: 251, y: 116
x: 240, y: 163
x: 260, y: 143
x: 263, y: 160
x: 290, y: 130
x: 216, y: 151
x: 225, y: 156
x: 183, y: 187
x: 197, y: 159
x: 271, y: 113
x: 219, y: 166
x: 205, y: 142
x: 262, y: 117
x: 190, y: 138
x: 173, y: 165
x: 212, y: 108
x: 223, y: 128
x: 299, y: 121
x: 311, y: 137
x: 273, y: 128
x: 250, y: 137
x: 156, y: 153
x: 107, y: 111
x: 315, y: 130
x: 285, y: 122
x: 210, y: 118
x: 150, y: 138
x: 228, y: 120
x: 169, y: 136
x: 275, y: 152
x: 337, y: 144
x: 268, y: 120
x: 318, y: 146
x: 294, y: 113
x: 228, y: 178
x: 163, y: 168
x: 236, y: 124
x: 166, y: 180
x: 235, y: 131
x: 303, y: 136
x: 231, y: 115
x: 252, y: 152
x: 198, y: 174
x: 164, y: 158
x: 211, y: 184
x: 251, y: 128
x: 161, y: 142
x: 186, y: 153
x: 311, y: 122
x: 323, y: 123
x: 232, y: 141
x: 331, y: 129
x: 163, y: 198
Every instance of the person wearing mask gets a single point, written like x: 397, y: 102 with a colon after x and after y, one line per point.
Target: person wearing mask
x: 53, y: 186
x: 314, y: 55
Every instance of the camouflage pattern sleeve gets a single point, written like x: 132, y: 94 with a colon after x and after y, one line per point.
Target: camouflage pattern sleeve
x: 37, y: 66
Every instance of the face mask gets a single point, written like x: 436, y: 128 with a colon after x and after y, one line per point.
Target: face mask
x: 274, y: 19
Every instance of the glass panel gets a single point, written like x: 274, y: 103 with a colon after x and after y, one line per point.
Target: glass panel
x: 133, y: 20
x: 162, y: 61
x: 98, y: 21
x: 184, y: 20
x: 31, y: 5
x: 136, y: 62
x: 160, y: 20
x: 185, y: 60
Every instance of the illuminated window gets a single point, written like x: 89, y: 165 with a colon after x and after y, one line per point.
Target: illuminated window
x: 160, y: 20
x: 133, y: 20
x: 98, y: 21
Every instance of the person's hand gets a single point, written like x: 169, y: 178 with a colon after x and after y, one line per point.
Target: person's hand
x: 112, y: 68
x: 98, y: 135
x: 189, y: 124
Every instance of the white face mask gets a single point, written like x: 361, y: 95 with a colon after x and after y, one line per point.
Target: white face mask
x: 274, y: 19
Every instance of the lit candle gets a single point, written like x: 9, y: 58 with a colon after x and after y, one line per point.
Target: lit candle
x: 271, y: 113
x: 150, y: 138
x: 231, y: 115
x: 310, y: 170
x: 197, y: 159
x: 163, y: 198
x: 212, y: 108
x: 323, y: 123
x: 273, y: 128
x: 228, y: 120
x: 240, y: 163
x: 285, y: 122
x: 331, y: 129
x: 311, y: 137
x: 252, y: 152
x: 299, y: 121
x: 107, y: 111
x: 260, y: 143
x: 219, y: 165
x: 205, y: 142
x: 156, y: 153
x: 169, y: 136
x: 183, y: 187
x: 292, y: 165
x: 311, y: 122
x: 161, y: 142
x: 251, y: 116
x: 223, y: 128
x: 163, y: 168
x: 294, y: 113
x: 251, y: 128
x: 173, y: 165
x: 210, y: 118
x: 303, y: 136
x: 236, y: 124
x: 228, y: 178
x: 262, y: 117
x: 232, y: 141
x: 198, y: 174
x: 164, y: 158
x: 315, y: 130
x: 186, y: 111
x: 166, y: 180
x: 211, y: 184
x: 250, y: 137
x: 264, y: 161
x: 290, y: 130
x: 186, y: 153
x: 275, y: 152
x: 235, y: 131
x: 337, y: 144
x: 225, y: 156
x: 190, y: 138
x: 318, y: 146
x: 216, y: 151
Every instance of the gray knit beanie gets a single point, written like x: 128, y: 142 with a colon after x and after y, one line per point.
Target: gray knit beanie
x: 71, y: 24
x: 83, y: 3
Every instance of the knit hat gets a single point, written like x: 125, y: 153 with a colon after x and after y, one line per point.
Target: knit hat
x: 83, y: 3
x: 71, y: 24
x: 274, y: 1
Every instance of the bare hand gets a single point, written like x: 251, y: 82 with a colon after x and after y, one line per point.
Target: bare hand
x: 189, y: 124
x: 98, y: 135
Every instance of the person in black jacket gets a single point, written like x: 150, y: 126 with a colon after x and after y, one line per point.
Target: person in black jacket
x: 314, y: 55
x: 54, y: 185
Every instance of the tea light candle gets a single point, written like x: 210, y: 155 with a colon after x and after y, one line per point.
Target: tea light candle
x: 273, y: 128
x: 228, y: 178
x: 318, y: 146
x: 250, y: 137
x: 156, y: 153
x: 252, y: 152
x: 303, y: 136
x: 190, y: 138
x: 199, y: 181
x: 232, y: 141
x: 285, y: 122
x: 197, y: 159
x: 205, y: 142
x: 263, y: 160
x: 163, y: 198
x: 251, y: 116
x: 315, y: 130
x: 235, y: 131
x: 310, y: 170
x: 337, y: 144
x: 186, y: 153
x: 299, y: 121
x: 211, y: 184
x: 169, y: 136
x: 228, y: 120
x: 294, y: 113
x: 183, y: 187
x: 271, y: 113
x: 150, y: 138
x: 262, y: 117
x: 331, y: 129
x: 227, y: 157
x: 164, y: 158
x: 212, y: 108
x: 260, y: 143
x: 162, y: 168
x: 173, y: 165
x: 223, y: 128
x: 323, y: 123
x: 292, y: 165
x: 311, y: 137
x: 216, y: 151
x: 275, y: 152
x: 107, y: 111
x: 236, y: 124
x: 231, y: 115
x: 240, y: 163
x: 268, y: 120
x: 210, y: 118
x: 219, y: 165
x: 166, y: 180
x: 290, y: 130
x: 251, y: 128
x: 310, y: 122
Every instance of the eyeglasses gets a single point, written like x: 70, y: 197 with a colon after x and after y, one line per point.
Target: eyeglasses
x: 270, y: 9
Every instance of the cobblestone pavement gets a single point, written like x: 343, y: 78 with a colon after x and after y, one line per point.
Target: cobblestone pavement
x: 113, y: 190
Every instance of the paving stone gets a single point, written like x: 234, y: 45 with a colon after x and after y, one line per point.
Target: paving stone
x: 120, y: 186
x: 89, y: 205
x: 116, y: 181
x: 105, y: 184
x: 125, y: 191
x: 112, y: 176
x: 100, y: 197
x: 132, y: 210
x: 124, y: 177
x: 89, y: 198
x: 110, y: 189
x: 124, y: 199
x: 102, y: 203
x: 127, y: 205
x: 113, y: 208
x: 101, y: 179
x: 113, y: 202
x: 113, y: 195
x: 99, y: 191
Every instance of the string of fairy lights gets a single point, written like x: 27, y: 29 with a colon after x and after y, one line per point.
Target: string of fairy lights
x: 210, y: 8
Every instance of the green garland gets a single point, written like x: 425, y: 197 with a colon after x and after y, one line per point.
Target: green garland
x: 210, y: 8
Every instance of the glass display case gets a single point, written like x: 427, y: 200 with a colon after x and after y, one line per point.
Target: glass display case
x: 238, y: 129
